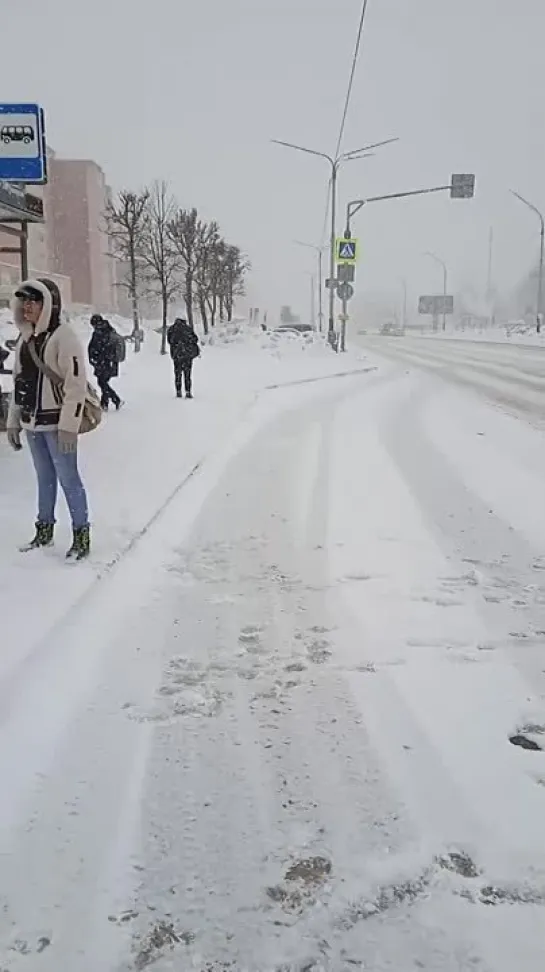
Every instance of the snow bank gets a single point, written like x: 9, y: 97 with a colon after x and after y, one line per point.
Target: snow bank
x: 514, y: 332
x: 7, y: 328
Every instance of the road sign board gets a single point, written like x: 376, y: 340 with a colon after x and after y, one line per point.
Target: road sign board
x: 23, y: 154
x: 436, y: 304
x: 346, y: 251
x: 346, y: 273
x: 345, y: 291
x: 462, y: 186
x: 17, y: 206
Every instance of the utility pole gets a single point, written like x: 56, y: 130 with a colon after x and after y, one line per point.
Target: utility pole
x: 445, y: 277
x: 539, y: 308
x: 312, y: 302
x: 319, y: 250
x: 489, y: 270
x: 320, y: 292
x: 488, y: 295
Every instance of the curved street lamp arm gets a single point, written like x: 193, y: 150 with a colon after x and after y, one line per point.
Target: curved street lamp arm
x: 529, y: 204
x: 311, y: 246
x: 437, y: 260
x: 301, y: 148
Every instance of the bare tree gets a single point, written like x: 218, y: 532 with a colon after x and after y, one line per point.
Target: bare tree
x: 162, y: 261
x: 234, y: 269
x: 215, y: 279
x: 186, y: 232
x: 208, y: 243
x: 126, y: 220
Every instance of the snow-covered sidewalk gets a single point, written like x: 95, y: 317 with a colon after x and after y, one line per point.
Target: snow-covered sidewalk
x: 136, y: 462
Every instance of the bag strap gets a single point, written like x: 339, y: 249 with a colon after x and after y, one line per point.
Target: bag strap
x: 53, y: 377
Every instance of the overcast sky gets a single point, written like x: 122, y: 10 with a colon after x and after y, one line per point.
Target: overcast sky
x: 194, y: 92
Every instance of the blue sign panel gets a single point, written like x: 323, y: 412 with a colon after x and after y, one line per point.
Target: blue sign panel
x: 23, y: 153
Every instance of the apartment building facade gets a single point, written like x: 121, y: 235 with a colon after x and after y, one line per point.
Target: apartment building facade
x: 71, y: 245
x: 77, y: 196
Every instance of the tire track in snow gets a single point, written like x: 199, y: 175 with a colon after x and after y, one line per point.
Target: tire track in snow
x: 282, y: 776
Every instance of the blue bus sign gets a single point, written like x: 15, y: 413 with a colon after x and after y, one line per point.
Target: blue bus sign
x: 23, y: 153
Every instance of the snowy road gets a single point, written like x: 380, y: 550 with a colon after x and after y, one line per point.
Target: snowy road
x: 512, y: 375
x: 276, y: 736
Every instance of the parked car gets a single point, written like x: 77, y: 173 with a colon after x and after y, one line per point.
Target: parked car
x: 297, y: 328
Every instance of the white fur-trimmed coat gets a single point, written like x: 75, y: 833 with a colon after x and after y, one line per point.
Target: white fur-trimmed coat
x: 63, y: 352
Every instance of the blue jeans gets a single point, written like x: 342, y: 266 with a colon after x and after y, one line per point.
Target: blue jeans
x: 53, y: 467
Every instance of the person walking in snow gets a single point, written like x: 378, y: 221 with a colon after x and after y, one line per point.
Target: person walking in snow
x: 184, y: 348
x: 50, y: 416
x: 103, y: 357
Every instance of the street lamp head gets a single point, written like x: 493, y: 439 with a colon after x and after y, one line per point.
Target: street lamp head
x: 367, y: 148
x: 355, y: 158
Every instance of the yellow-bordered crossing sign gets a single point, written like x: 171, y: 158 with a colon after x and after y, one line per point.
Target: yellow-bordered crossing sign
x: 346, y: 251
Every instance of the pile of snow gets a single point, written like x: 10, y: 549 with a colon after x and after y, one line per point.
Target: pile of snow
x: 516, y: 332
x: 7, y: 327
x: 280, y: 357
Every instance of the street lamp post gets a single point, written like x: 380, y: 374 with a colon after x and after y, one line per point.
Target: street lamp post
x: 437, y: 259
x: 335, y: 165
x: 319, y: 250
x: 535, y: 210
x: 404, y: 315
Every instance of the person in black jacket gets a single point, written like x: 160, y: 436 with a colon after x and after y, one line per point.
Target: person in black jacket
x: 184, y: 348
x: 103, y: 359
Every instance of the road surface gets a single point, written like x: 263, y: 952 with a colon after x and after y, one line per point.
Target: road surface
x: 276, y: 735
x: 509, y: 374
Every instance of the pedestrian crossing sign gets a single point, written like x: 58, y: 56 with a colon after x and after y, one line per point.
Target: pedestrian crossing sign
x: 346, y: 251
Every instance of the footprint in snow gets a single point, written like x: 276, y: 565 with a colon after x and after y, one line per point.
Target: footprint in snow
x: 319, y: 651
x: 525, y: 742
x: 250, y: 638
x: 444, y: 602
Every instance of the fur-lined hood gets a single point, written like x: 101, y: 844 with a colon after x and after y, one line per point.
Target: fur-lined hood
x: 51, y: 309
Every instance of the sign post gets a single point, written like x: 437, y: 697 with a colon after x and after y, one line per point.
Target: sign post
x: 345, y: 291
x: 346, y: 257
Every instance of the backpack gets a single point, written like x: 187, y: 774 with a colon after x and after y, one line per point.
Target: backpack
x: 120, y: 347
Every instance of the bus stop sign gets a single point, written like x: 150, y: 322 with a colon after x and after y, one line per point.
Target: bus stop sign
x: 23, y: 153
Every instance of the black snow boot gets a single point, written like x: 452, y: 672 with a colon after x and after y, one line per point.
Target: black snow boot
x: 42, y: 538
x: 81, y: 544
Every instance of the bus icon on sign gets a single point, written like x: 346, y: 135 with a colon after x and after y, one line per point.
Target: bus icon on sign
x: 17, y: 133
